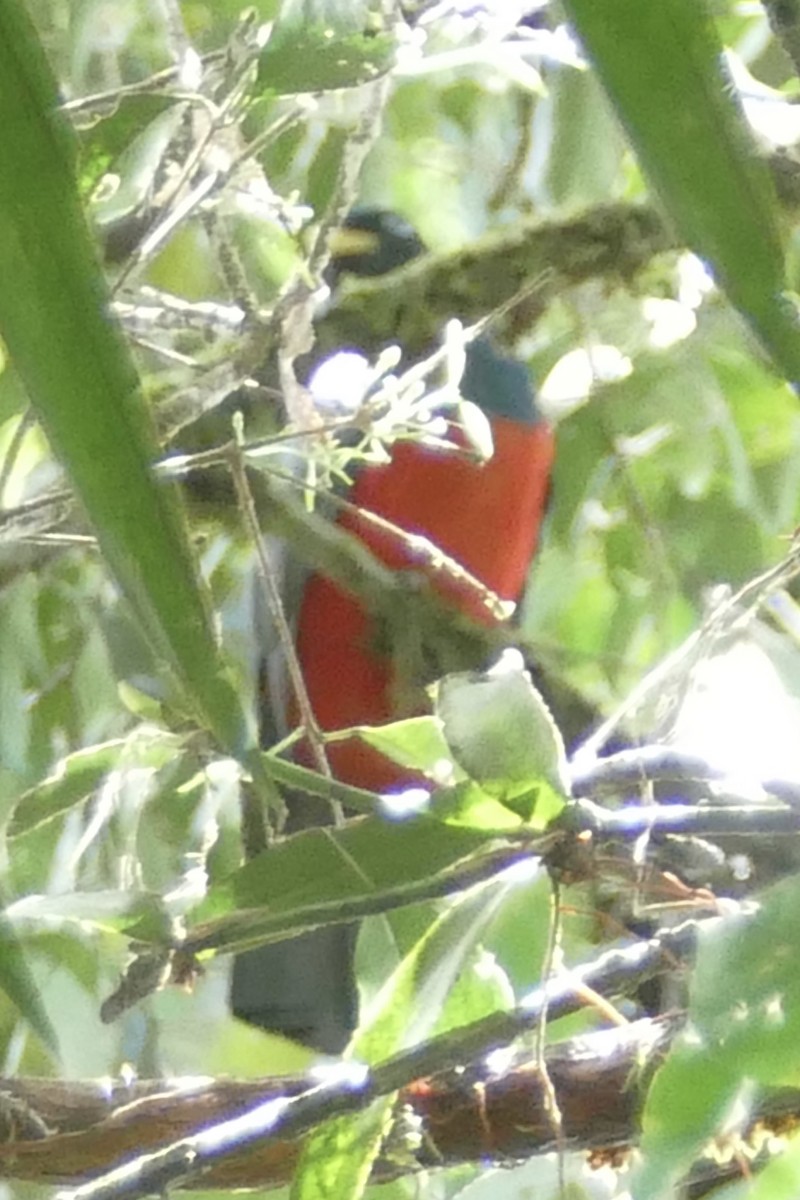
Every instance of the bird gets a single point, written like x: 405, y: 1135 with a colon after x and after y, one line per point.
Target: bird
x: 485, y: 515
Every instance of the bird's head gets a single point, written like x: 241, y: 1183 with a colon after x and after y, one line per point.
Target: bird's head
x: 373, y: 241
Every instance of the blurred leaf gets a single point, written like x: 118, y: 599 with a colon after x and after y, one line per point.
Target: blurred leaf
x: 133, y: 165
x: 19, y: 985
x: 104, y: 140
x: 661, y: 59
x: 744, y: 1029
x: 317, y: 45
x: 84, y: 387
x: 579, y: 144
x: 108, y: 910
x: 81, y: 773
x: 745, y: 995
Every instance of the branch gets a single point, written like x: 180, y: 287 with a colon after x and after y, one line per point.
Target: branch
x: 536, y: 261
x: 686, y: 820
x: 463, y: 1116
x: 659, y: 764
x: 59, y: 1131
x: 266, y: 1133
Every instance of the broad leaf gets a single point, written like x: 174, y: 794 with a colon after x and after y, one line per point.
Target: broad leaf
x: 501, y: 733
x: 662, y: 67
x: 279, y: 891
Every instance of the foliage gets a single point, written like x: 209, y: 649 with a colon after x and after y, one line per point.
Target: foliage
x: 585, y: 172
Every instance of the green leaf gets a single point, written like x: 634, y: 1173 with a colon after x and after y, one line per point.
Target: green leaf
x: 780, y: 1178
x: 318, y: 45
x: 686, y: 1104
x: 744, y: 1028
x: 501, y: 733
x: 81, y: 773
x: 745, y: 996
x: 429, y: 991
x: 417, y: 743
x: 19, y: 985
x: 661, y: 64
x: 83, y: 386
x: 279, y: 888
x: 136, y: 161
x: 468, y: 804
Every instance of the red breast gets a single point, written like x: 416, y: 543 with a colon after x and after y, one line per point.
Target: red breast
x: 486, y: 516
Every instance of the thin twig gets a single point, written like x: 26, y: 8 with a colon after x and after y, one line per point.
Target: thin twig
x: 276, y: 610
x: 549, y: 970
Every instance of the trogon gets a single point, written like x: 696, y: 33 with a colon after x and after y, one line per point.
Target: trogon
x: 486, y: 516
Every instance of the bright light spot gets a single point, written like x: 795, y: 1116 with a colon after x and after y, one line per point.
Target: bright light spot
x: 510, y: 662
x: 127, y: 1074
x: 485, y: 965
x: 770, y: 115
x: 499, y: 1061
x: 398, y: 806
x: 522, y: 872
x: 575, y: 375
x: 191, y: 70
x: 596, y: 516
x: 341, y: 382
x: 259, y: 1120
x: 671, y: 321
x: 347, y: 1072
x: 560, y: 47
x: 695, y: 281
x: 443, y: 772
x: 739, y: 714
x: 774, y: 1012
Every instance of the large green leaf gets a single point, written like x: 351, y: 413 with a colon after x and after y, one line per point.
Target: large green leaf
x: 278, y: 892
x: 744, y: 1016
x: 661, y: 65
x: 83, y: 386
x: 432, y: 989
x: 501, y: 732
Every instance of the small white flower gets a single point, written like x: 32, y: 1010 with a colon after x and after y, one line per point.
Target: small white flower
x: 340, y: 382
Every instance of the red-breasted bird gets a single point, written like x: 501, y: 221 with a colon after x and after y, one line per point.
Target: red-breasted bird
x: 487, y: 516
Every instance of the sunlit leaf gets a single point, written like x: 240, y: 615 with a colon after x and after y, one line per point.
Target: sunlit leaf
x: 662, y: 67
x: 502, y: 734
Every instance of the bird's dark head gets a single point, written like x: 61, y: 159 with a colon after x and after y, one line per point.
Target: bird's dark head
x: 372, y: 241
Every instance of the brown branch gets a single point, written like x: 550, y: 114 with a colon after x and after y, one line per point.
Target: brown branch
x: 610, y: 242
x: 464, y: 1116
x: 168, y: 1137
x: 64, y: 1131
